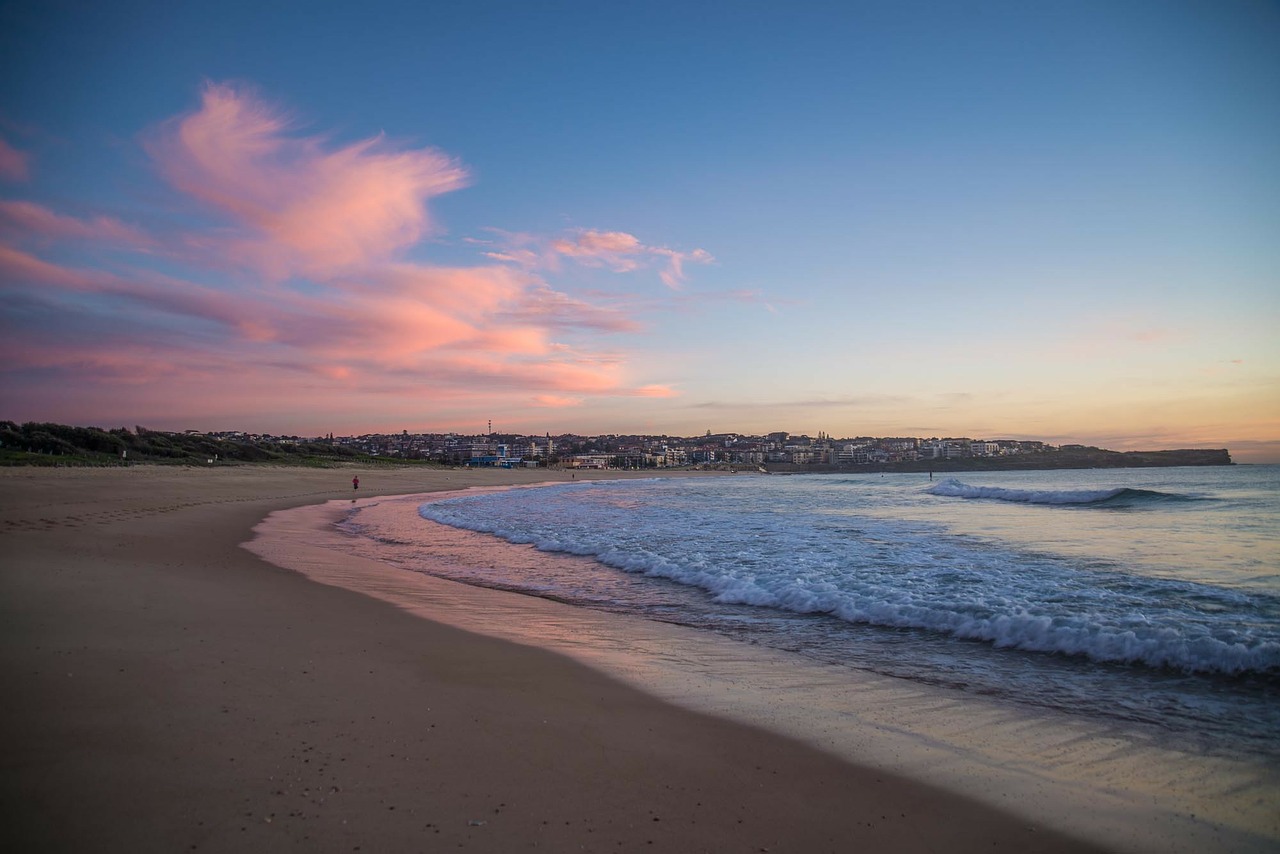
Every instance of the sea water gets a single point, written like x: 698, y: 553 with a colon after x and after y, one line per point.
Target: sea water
x: 1145, y: 597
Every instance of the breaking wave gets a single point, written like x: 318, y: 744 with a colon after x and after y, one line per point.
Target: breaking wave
x: 891, y: 574
x: 1118, y: 497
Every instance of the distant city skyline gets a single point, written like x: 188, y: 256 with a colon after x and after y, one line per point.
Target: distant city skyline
x: 1049, y: 222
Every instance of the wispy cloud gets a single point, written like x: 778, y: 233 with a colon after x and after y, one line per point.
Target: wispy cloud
x: 551, y: 401
x: 673, y: 274
x: 301, y: 282
x: 612, y: 250
x: 1104, y: 337
x: 21, y: 219
x: 655, y: 391
x: 303, y: 207
x: 868, y: 401
x: 555, y: 310
x: 15, y: 165
x: 624, y: 252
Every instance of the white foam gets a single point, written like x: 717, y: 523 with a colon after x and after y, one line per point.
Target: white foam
x: 888, y: 573
x: 953, y: 488
x: 1078, y: 775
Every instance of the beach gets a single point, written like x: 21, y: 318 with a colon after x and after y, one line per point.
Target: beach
x: 168, y: 689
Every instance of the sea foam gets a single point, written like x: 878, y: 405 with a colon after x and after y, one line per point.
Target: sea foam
x: 889, y: 573
x: 1119, y: 496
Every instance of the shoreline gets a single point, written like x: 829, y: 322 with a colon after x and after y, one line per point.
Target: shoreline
x: 1099, y: 780
x: 168, y: 690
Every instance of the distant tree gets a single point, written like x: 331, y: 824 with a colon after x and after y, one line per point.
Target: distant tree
x: 10, y: 435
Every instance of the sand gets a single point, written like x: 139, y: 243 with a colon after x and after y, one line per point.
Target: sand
x: 168, y: 690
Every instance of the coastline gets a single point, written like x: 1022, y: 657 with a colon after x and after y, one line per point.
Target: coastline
x: 169, y: 690
x: 1109, y: 784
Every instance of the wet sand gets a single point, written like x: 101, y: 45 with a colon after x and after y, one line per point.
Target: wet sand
x: 168, y: 690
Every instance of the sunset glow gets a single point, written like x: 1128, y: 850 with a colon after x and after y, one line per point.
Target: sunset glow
x: 861, y: 219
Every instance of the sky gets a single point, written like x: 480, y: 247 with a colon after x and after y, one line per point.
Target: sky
x: 1045, y: 220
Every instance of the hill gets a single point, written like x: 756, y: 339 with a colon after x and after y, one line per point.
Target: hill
x: 45, y: 444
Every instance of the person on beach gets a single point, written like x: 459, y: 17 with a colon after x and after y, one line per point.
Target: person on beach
x: 355, y: 482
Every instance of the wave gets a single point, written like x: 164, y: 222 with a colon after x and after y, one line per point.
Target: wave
x: 1093, y: 636
x: 1117, y: 497
x: 1132, y: 620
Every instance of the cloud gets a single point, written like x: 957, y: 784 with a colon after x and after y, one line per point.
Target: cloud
x: 673, y: 275
x: 28, y: 219
x: 559, y: 311
x: 20, y: 271
x: 304, y: 207
x: 18, y: 267
x: 551, y: 401
x: 742, y: 296
x: 613, y: 250
x: 300, y: 292
x: 655, y: 391
x: 15, y: 165
x: 1135, y: 334
x: 862, y: 402
x: 624, y: 252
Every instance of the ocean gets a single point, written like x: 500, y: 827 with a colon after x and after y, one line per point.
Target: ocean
x: 1139, y: 598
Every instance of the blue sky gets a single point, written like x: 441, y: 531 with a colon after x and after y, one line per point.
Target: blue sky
x: 1040, y: 220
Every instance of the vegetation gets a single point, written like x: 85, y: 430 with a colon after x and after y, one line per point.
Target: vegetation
x: 45, y: 444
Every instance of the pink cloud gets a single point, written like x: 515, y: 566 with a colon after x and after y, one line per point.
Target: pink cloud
x: 577, y: 376
x: 556, y: 310
x: 302, y: 290
x: 407, y: 327
x: 14, y: 164
x: 306, y: 207
x: 624, y: 252
x: 473, y: 291
x: 552, y: 401
x: 18, y: 267
x: 524, y: 258
x: 655, y: 391
x: 614, y: 250
x: 673, y: 275
x: 19, y: 270
x: 405, y: 333
x: 1104, y: 338
x: 524, y: 250
x: 29, y: 218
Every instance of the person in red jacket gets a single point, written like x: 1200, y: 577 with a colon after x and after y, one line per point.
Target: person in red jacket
x: 355, y: 482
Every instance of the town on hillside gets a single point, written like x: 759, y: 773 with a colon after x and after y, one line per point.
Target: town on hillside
x: 612, y: 451
x: 34, y: 443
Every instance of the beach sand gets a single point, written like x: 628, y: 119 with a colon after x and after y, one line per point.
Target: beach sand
x: 166, y: 689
